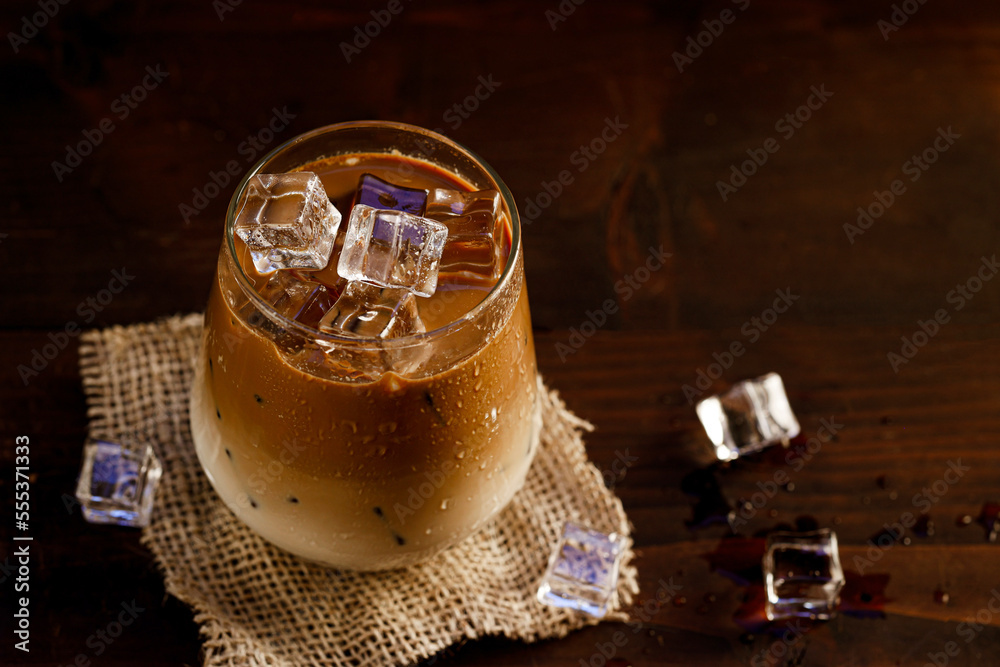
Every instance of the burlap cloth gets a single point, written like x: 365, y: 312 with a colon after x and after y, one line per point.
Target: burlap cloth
x: 258, y: 605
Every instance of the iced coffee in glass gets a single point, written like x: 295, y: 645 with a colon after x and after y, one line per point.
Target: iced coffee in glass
x: 366, y: 393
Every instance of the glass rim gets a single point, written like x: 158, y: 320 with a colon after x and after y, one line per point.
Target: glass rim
x: 403, y: 341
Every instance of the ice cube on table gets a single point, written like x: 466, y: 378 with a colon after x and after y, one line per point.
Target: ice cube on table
x: 752, y: 415
x: 377, y: 193
x: 473, y: 250
x: 802, y: 575
x: 287, y: 221
x: 392, y: 249
x: 583, y: 570
x: 118, y: 483
x: 370, y: 311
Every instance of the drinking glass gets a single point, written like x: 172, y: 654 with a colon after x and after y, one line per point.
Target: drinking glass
x: 364, y: 453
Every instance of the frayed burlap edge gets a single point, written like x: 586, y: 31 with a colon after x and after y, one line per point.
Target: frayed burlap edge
x: 258, y: 605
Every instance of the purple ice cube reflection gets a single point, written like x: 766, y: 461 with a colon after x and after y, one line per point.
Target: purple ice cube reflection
x: 381, y: 194
x: 583, y: 570
x: 118, y: 482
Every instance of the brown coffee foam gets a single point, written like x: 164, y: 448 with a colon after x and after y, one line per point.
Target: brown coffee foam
x: 258, y: 605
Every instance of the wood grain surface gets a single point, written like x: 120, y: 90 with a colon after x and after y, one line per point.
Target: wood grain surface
x: 739, y: 139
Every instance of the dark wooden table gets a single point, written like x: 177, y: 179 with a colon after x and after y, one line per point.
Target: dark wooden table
x: 740, y: 137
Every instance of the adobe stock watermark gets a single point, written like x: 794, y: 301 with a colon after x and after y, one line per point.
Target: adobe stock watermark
x: 625, y: 288
x: 781, y: 651
x: 30, y: 25
x: 968, y: 630
x: 419, y: 494
x: 460, y: 111
x: 606, y: 651
x: 619, y: 467
x: 915, y: 167
x: 752, y: 329
x: 250, y: 148
x: 102, y: 638
x: 455, y: 116
x: 265, y: 475
x: 581, y: 158
x: 786, y: 126
x: 697, y: 44
x: 223, y: 7
x: 958, y: 297
x: 892, y: 534
x: 364, y: 34
x: 7, y: 569
x: 562, y: 12
x: 797, y: 458
x: 901, y: 13
x: 87, y: 310
x: 121, y: 107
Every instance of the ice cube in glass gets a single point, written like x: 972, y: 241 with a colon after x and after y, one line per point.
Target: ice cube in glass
x: 287, y: 221
x: 752, y: 415
x: 371, y: 311
x: 583, y: 570
x: 802, y: 574
x: 294, y: 295
x: 392, y: 249
x: 118, y: 483
x: 473, y: 252
x: 297, y: 297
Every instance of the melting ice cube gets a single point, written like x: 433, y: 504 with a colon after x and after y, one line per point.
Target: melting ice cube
x: 298, y: 298
x: 392, y: 249
x: 583, y: 571
x: 293, y: 295
x: 287, y: 221
x: 373, y: 312
x: 802, y: 574
x: 117, y: 483
x: 374, y: 192
x: 750, y: 416
x: 472, y: 251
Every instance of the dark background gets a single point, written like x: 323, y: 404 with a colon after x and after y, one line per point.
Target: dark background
x: 558, y: 82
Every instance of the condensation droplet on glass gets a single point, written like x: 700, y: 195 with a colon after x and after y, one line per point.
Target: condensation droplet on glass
x: 444, y: 503
x: 386, y: 428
